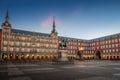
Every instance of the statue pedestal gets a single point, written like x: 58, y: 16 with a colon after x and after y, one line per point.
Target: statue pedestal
x: 63, y: 58
x: 62, y: 55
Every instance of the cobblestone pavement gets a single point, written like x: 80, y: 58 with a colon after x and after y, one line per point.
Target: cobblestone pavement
x: 80, y: 70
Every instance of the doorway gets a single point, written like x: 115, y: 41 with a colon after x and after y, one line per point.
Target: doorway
x: 98, y: 55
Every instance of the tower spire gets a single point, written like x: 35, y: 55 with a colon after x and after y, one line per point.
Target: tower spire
x: 7, y: 17
x: 54, y: 30
x: 7, y: 20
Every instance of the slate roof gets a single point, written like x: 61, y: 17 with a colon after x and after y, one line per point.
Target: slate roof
x: 16, y: 31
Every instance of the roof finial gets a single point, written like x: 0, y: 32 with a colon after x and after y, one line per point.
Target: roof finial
x: 7, y: 17
x: 53, y: 31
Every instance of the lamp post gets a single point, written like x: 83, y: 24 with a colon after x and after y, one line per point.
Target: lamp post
x: 33, y: 51
x: 81, y: 49
x: 33, y: 46
x: 79, y: 52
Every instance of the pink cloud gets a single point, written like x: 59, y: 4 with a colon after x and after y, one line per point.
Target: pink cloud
x: 48, y: 22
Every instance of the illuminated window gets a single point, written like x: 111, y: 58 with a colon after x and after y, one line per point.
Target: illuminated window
x: 17, y: 49
x: 17, y: 43
x: 5, y: 48
x: 23, y: 44
x: 28, y: 49
x: 5, y: 42
x: 12, y: 43
x: 23, y: 49
x: 11, y: 49
x: 28, y: 44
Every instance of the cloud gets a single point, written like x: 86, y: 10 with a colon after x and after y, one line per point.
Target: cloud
x: 48, y: 22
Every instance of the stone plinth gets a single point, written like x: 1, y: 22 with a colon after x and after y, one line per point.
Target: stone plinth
x: 62, y: 55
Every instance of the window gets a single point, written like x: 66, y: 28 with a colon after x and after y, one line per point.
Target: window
x: 113, y: 50
x: 106, y: 51
x: 110, y: 50
x: 23, y: 49
x: 106, y: 46
x: 6, y: 30
x: 109, y: 46
x: 42, y: 50
x: 47, y: 45
x: 113, y: 41
x: 37, y: 50
x: 103, y: 51
x: 28, y: 49
x: 109, y: 41
x: 5, y: 36
x: 11, y: 49
x: 17, y: 49
x: 106, y: 42
x: 97, y: 47
x: 5, y: 42
x: 28, y: 44
x: 13, y: 37
x: 38, y: 44
x: 12, y: 43
x: 116, y: 45
x: 116, y: 40
x: 113, y: 46
x: 23, y: 38
x: 23, y: 44
x: 116, y: 50
x: 17, y: 43
x: 5, y: 48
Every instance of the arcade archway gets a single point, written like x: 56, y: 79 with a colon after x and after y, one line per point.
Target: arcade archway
x: 27, y: 57
x: 11, y: 56
x: 17, y: 57
x: 22, y: 57
x: 4, y: 56
x: 38, y: 57
x: 98, y: 55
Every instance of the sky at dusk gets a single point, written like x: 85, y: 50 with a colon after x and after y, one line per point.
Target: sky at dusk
x: 83, y: 19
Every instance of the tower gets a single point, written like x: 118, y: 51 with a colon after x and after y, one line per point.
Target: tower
x: 6, y: 32
x: 54, y: 32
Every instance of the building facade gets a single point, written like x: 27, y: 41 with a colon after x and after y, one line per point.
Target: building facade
x: 26, y: 45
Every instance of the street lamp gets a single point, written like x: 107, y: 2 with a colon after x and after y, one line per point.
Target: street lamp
x: 81, y: 48
x: 79, y: 52
x: 33, y: 45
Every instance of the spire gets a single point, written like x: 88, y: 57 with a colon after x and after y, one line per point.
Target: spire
x: 54, y: 30
x: 7, y: 17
